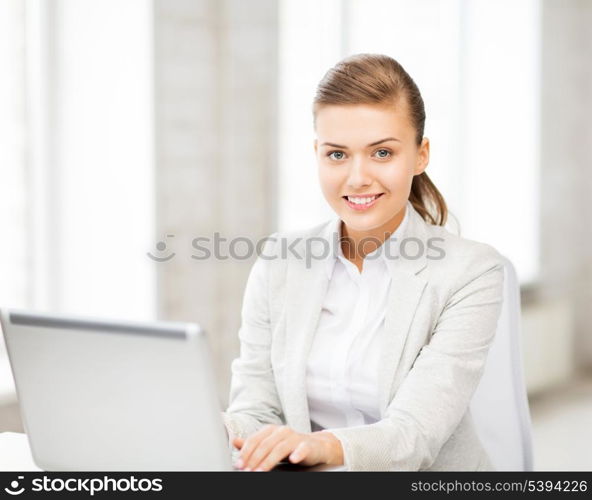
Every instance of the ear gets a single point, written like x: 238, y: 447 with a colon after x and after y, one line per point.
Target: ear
x: 423, y: 156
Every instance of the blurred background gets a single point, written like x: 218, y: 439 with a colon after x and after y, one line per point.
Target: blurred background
x: 129, y: 128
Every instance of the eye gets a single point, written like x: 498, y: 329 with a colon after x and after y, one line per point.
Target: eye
x: 384, y: 151
x: 385, y: 154
x: 332, y: 152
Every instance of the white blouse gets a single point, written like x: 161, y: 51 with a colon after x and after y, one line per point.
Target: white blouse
x: 342, y: 367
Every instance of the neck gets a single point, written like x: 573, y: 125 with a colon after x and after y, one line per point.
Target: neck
x: 355, y: 245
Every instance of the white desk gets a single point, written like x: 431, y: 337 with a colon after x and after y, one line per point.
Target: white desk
x: 15, y: 454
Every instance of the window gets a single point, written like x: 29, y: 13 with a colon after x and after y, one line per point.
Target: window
x: 13, y: 213
x: 76, y: 157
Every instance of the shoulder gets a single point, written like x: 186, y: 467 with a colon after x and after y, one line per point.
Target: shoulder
x: 457, y: 260
x: 318, y: 230
x: 461, y: 249
x: 300, y: 245
x: 278, y: 241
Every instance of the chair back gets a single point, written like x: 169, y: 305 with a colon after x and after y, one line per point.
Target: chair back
x: 499, y: 406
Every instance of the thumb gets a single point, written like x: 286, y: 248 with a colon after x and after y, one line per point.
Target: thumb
x: 238, y: 442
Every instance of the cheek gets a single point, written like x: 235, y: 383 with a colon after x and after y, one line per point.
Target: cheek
x: 396, y: 178
x: 329, y: 179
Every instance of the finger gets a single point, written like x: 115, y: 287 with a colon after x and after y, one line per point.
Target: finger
x: 279, y: 452
x: 252, y: 442
x: 238, y: 442
x: 267, y: 445
x: 300, y: 453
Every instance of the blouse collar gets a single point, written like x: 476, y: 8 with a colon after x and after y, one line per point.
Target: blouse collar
x: 385, y: 252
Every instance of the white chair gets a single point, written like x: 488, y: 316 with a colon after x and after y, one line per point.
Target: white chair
x: 500, y: 406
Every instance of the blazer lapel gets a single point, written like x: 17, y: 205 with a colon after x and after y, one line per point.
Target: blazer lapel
x: 405, y: 293
x: 306, y: 288
x: 404, y: 296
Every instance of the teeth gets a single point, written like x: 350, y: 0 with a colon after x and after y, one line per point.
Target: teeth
x: 361, y: 201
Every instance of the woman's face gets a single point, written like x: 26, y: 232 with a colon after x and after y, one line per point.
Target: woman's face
x: 363, y: 151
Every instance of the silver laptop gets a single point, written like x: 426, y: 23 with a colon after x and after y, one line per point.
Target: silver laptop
x: 114, y: 395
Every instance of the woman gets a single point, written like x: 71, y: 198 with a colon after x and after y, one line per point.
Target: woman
x: 368, y: 354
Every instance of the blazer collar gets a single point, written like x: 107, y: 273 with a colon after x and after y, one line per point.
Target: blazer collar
x: 306, y: 285
x: 387, y: 251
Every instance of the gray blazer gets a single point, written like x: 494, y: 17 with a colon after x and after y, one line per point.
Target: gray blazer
x: 444, y: 305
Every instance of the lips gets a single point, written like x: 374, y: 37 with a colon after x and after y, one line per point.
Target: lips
x: 361, y: 207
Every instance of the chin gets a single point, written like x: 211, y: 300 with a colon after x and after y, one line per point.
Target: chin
x: 362, y: 223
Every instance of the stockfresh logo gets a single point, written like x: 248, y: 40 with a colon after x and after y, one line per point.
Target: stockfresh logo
x: 15, y: 488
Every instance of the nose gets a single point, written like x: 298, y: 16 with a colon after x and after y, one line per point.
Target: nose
x: 358, y: 175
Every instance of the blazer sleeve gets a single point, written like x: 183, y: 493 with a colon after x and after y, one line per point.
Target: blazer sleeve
x: 253, y: 399
x: 432, y: 399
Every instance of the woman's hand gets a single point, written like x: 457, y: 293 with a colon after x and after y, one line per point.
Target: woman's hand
x: 265, y: 448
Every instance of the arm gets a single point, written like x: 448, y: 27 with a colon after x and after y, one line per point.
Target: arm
x: 436, y: 392
x: 253, y: 400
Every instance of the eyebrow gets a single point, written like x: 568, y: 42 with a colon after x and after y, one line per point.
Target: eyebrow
x: 369, y: 145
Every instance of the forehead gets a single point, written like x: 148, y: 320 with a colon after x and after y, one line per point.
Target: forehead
x: 363, y: 123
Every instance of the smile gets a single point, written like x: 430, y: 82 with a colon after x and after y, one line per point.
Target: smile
x: 361, y: 203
